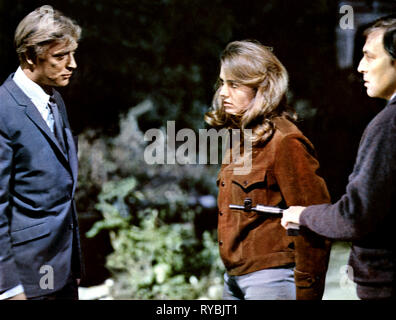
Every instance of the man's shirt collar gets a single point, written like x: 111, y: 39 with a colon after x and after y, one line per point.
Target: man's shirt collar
x: 31, y: 89
x: 393, y: 97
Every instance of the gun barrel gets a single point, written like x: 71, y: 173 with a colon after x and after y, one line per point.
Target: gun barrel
x: 268, y: 209
x: 292, y: 231
x: 258, y: 208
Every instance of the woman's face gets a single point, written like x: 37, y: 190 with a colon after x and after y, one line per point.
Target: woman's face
x: 235, y: 97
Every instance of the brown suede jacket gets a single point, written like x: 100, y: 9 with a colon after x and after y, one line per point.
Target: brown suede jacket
x: 283, y: 174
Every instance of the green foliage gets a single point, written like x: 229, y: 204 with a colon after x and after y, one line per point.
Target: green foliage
x: 148, y: 210
x: 153, y: 259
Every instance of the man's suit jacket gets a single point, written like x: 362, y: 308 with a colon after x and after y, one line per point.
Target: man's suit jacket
x: 39, y: 235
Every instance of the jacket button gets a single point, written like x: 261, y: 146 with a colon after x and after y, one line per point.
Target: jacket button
x: 220, y: 213
x: 220, y: 242
x: 245, y: 183
x: 222, y: 183
x: 71, y: 226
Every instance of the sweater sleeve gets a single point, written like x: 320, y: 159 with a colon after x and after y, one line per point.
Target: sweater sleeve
x: 368, y: 199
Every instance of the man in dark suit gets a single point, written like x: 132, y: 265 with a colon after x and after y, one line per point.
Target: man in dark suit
x: 39, y: 238
x: 366, y: 213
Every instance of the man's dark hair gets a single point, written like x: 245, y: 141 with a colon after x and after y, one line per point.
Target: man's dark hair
x: 388, y: 24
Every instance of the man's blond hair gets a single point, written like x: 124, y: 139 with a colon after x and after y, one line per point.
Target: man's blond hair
x: 42, y: 27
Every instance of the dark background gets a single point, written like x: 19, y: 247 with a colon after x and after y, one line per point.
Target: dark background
x: 167, y: 51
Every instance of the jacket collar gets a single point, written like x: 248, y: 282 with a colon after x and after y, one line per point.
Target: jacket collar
x: 31, y: 110
x: 36, y: 93
x: 34, y: 115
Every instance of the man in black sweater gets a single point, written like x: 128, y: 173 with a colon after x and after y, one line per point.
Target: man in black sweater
x: 365, y: 214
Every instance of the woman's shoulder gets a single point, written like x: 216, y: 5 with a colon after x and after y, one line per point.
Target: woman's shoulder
x: 287, y: 135
x: 285, y: 127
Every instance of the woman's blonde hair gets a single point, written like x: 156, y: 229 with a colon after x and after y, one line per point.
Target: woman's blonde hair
x: 254, y: 65
x: 42, y: 27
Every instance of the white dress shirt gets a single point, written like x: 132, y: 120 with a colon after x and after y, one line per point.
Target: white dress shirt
x: 36, y: 94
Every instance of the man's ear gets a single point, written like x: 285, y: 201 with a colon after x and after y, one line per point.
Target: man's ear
x: 30, y: 58
x: 393, y: 63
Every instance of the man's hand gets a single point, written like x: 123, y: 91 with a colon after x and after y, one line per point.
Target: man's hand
x: 20, y: 296
x: 291, y: 216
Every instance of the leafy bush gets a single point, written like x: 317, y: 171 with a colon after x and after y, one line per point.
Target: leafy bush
x: 164, y: 240
x: 153, y: 259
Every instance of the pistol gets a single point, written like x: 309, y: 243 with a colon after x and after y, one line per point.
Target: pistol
x: 293, y: 229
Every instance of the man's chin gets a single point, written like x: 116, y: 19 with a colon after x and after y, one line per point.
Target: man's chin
x: 370, y: 93
x: 63, y: 83
x: 377, y: 95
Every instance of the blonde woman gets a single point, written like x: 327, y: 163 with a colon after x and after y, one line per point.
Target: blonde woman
x: 261, y: 260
